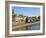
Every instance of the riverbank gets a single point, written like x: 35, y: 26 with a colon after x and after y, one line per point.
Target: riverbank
x: 24, y: 25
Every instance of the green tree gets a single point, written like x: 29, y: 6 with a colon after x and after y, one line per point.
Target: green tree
x: 38, y: 17
x: 26, y: 19
x: 13, y: 15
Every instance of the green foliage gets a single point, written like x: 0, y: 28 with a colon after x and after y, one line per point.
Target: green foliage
x: 13, y: 17
x: 26, y: 19
x: 38, y: 17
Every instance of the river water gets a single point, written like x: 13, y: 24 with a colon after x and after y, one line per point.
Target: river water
x: 34, y: 27
x: 31, y: 27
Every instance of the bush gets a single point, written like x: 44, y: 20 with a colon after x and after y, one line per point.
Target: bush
x: 26, y: 20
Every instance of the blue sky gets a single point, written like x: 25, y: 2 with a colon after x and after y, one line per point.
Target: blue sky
x: 27, y: 11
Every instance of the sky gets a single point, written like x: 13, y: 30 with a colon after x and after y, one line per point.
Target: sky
x: 27, y: 11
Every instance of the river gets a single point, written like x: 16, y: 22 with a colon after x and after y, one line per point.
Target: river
x: 34, y: 27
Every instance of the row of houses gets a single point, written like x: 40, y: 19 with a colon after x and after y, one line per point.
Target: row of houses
x: 25, y: 18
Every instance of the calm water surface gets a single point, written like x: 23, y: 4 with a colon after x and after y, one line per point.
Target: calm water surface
x: 35, y: 27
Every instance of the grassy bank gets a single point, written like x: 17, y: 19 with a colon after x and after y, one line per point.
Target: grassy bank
x: 24, y: 25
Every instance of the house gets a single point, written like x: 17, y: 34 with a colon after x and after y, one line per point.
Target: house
x: 20, y: 18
